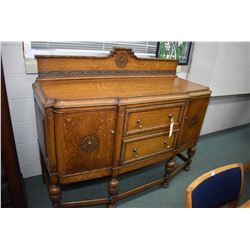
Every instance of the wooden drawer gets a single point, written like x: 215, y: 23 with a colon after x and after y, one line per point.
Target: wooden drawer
x: 150, y: 118
x: 146, y: 146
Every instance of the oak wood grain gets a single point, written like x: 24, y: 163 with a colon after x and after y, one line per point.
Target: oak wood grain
x: 157, y: 117
x: 71, y: 63
x: 108, y: 116
x: 121, y: 88
x: 76, y: 149
x: 146, y: 146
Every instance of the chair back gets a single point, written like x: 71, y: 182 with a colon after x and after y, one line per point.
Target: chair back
x: 216, y: 188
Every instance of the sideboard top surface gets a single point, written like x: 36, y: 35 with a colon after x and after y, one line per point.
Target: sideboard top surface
x: 126, y: 87
x: 121, y: 78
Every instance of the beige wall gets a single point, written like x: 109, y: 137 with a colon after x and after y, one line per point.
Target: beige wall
x: 224, y: 67
x: 20, y: 96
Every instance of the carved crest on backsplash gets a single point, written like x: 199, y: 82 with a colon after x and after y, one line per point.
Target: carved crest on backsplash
x: 122, y: 56
x: 121, y: 60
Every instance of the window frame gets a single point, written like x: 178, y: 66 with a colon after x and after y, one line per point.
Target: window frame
x: 30, y: 53
x: 184, y: 63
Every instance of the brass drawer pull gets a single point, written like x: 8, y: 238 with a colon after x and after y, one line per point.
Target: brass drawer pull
x: 135, y: 152
x: 139, y: 123
x: 171, y: 117
x: 166, y: 144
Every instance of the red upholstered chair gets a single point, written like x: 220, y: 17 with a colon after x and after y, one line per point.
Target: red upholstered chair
x: 220, y: 187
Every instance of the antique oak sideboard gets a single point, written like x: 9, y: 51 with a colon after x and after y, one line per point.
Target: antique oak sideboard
x: 106, y: 116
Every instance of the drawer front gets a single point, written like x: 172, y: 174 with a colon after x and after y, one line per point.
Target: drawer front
x: 143, y: 119
x: 138, y: 148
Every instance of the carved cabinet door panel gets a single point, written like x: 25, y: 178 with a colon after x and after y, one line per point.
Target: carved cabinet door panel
x: 84, y: 140
x: 194, y: 119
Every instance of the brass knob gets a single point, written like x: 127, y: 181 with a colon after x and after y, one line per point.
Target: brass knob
x: 112, y: 131
x: 166, y: 144
x: 171, y: 117
x: 139, y: 123
x: 135, y: 151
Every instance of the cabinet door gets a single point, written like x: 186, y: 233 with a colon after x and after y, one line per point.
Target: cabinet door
x: 194, y: 119
x: 84, y: 140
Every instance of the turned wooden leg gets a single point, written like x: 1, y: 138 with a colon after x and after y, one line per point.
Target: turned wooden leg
x: 169, y: 167
x: 113, y: 191
x: 54, y: 192
x: 190, y: 153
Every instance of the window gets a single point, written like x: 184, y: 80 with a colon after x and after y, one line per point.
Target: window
x: 141, y: 49
x: 175, y: 50
x: 168, y: 50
